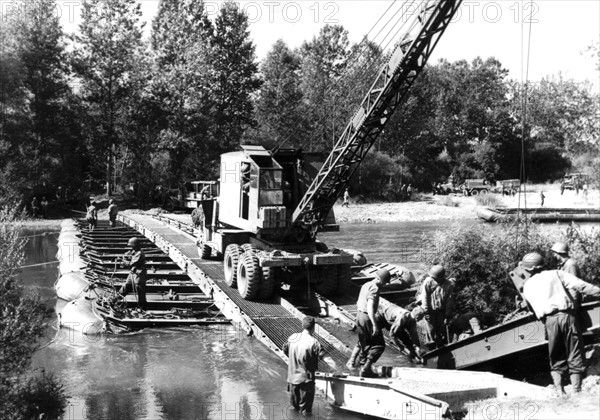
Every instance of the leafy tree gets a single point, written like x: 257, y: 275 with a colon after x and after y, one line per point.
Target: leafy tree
x: 235, y: 77
x: 22, y: 324
x: 180, y: 89
x: 279, y: 102
x: 39, y: 94
x: 323, y: 63
x: 108, y: 46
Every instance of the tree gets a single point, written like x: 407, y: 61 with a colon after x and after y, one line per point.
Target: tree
x: 39, y: 95
x: 323, y: 63
x: 108, y: 46
x: 235, y: 77
x: 181, y: 90
x: 278, y: 106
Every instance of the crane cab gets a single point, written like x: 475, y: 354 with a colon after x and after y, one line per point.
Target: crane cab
x: 252, y: 192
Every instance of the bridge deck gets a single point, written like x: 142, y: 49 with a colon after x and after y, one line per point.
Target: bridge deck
x: 272, y: 323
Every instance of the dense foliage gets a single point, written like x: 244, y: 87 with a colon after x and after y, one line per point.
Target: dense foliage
x: 480, y: 260
x: 23, y: 394
x: 107, y: 109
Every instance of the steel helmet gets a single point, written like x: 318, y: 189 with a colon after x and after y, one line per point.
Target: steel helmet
x: 437, y: 272
x: 384, y: 275
x: 560, y: 248
x: 532, y: 261
x: 132, y: 242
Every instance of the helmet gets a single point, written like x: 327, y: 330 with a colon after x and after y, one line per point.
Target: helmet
x: 384, y: 275
x: 417, y: 313
x: 132, y: 242
x: 532, y: 261
x: 560, y: 248
x: 437, y: 272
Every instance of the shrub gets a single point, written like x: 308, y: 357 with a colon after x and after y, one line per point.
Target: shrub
x: 584, y: 248
x: 22, y: 324
x: 480, y: 260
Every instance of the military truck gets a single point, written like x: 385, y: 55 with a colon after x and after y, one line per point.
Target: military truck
x: 475, y: 187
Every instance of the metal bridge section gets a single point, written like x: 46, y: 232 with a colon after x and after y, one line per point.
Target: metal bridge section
x: 270, y: 322
x: 389, y: 90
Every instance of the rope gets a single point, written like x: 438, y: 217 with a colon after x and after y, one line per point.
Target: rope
x: 36, y: 265
x: 524, y: 83
x: 40, y: 234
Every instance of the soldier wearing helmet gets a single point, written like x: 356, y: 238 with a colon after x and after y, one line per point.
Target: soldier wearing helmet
x: 565, y: 263
x: 370, y: 338
x: 136, y: 280
x: 547, y: 293
x: 436, y: 297
x: 113, y: 210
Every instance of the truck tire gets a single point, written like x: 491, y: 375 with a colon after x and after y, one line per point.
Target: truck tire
x: 230, y: 264
x: 271, y: 281
x: 483, y: 192
x: 327, y: 283
x: 205, y: 251
x: 474, y: 192
x: 249, y: 276
x: 248, y: 249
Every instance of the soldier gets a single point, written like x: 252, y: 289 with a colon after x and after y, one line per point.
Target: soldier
x: 436, y: 298
x: 113, y: 210
x: 370, y: 339
x: 92, y: 216
x: 542, y: 197
x: 568, y: 265
x: 402, y: 325
x: 547, y: 295
x: 304, y: 352
x: 136, y: 280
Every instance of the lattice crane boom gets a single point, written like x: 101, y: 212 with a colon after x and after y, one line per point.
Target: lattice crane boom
x: 387, y: 92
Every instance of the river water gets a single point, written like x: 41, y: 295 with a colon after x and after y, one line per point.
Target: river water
x: 187, y: 373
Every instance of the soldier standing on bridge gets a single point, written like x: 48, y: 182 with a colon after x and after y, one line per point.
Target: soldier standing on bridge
x: 370, y: 338
x: 113, y: 210
x: 547, y: 293
x: 136, y: 280
x: 303, y: 351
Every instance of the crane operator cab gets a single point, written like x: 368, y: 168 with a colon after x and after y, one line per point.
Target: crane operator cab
x: 252, y: 190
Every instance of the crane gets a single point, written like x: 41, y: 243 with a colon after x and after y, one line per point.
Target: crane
x: 270, y: 205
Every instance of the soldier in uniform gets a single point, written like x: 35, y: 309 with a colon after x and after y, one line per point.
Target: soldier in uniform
x: 136, y: 280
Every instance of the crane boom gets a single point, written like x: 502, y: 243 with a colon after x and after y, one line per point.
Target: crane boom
x: 387, y: 92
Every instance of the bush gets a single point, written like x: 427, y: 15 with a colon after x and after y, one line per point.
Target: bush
x: 448, y: 202
x: 584, y: 248
x: 22, y: 324
x: 480, y: 261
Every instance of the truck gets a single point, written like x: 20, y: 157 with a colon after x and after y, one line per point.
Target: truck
x: 507, y: 186
x: 574, y: 181
x: 271, y: 204
x: 475, y: 187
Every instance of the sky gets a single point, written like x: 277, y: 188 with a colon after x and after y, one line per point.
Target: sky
x: 561, y: 30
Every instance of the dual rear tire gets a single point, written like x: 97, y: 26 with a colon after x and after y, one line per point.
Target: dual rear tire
x: 242, y: 270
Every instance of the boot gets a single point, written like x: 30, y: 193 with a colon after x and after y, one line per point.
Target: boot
x: 352, y: 361
x: 576, y: 381
x: 367, y: 370
x: 557, y: 379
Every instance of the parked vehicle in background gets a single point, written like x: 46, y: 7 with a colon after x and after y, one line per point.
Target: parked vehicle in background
x: 475, y: 187
x: 190, y: 195
x: 507, y: 186
x: 574, y: 181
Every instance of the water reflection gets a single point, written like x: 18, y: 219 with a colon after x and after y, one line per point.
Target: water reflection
x: 204, y: 373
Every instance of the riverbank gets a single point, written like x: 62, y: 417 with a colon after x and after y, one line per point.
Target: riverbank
x: 428, y: 207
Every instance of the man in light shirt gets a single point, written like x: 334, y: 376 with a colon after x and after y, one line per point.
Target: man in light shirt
x: 548, y: 294
x: 303, y: 351
x: 370, y: 338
